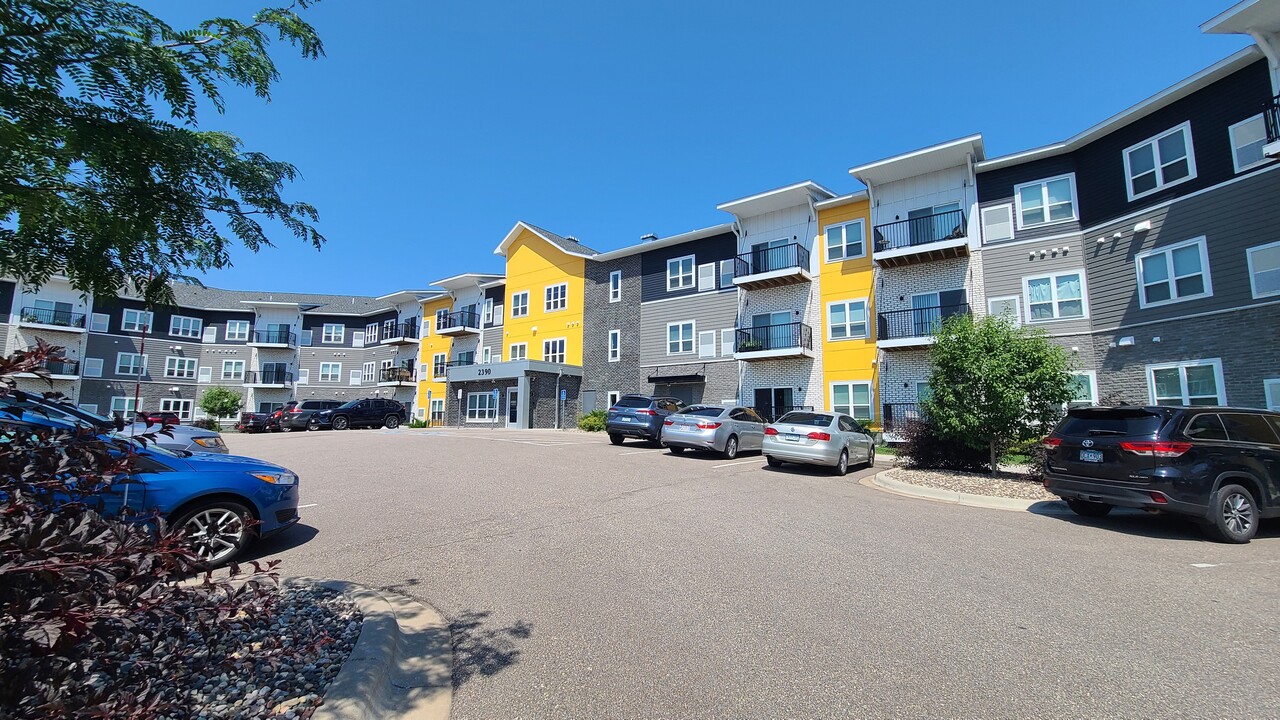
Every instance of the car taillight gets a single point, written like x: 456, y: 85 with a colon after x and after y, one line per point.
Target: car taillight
x: 1051, y: 442
x: 1158, y: 498
x: 819, y: 436
x: 1162, y: 449
x: 295, y: 410
x: 770, y: 431
x: 706, y: 425
x: 668, y: 421
x: 646, y: 412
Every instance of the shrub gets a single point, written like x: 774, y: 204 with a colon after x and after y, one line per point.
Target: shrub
x: 206, y: 424
x: 592, y: 421
x: 415, y: 423
x: 221, y: 402
x: 923, y: 448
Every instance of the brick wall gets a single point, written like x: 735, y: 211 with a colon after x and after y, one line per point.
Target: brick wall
x: 602, y: 316
x: 802, y: 373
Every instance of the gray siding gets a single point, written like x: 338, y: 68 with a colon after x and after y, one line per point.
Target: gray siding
x: 1004, y: 268
x: 713, y: 310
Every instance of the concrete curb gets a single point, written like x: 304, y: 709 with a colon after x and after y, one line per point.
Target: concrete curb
x: 401, y: 665
x: 884, y: 481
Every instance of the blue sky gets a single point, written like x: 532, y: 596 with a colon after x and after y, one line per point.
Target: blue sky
x: 431, y: 128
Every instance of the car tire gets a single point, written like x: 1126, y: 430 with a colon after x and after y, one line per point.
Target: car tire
x: 676, y: 450
x: 731, y: 447
x: 1233, y: 514
x: 313, y: 424
x: 231, y: 526
x: 773, y: 461
x: 615, y: 438
x: 392, y: 422
x: 341, y: 423
x: 871, y: 457
x: 1088, y: 508
x: 285, y: 428
x: 842, y: 465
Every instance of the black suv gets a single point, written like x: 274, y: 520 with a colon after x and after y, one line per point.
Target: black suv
x: 1220, y: 466
x: 366, y: 412
x: 639, y: 416
x: 296, y: 414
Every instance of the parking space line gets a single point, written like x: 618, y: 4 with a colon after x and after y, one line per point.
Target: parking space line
x: 307, y: 506
x: 743, y: 462
x: 641, y: 452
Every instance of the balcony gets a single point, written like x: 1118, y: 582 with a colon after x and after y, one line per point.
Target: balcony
x: 894, y: 420
x: 922, y: 239
x: 267, y: 379
x: 1271, y: 115
x: 49, y: 319
x: 273, y: 339
x: 466, y: 322
x: 915, y: 328
x: 771, y: 413
x: 57, y: 369
x: 772, y: 267
x: 404, y: 333
x: 397, y: 376
x: 771, y: 342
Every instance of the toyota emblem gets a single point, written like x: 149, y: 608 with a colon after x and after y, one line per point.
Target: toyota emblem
x: 1087, y: 443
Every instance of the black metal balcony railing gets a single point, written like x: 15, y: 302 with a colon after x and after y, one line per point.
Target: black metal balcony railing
x: 917, y: 322
x: 399, y: 373
x: 268, y: 377
x: 46, y: 316
x: 774, y: 337
x: 406, y: 329
x: 438, y: 369
x: 61, y: 367
x: 463, y: 318
x: 948, y: 225
x: 771, y: 413
x: 460, y: 363
x: 763, y: 260
x: 895, y: 417
x: 1272, y: 118
x: 275, y: 337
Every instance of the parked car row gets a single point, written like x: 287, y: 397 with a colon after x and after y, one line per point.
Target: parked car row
x: 829, y: 439
x: 326, y: 414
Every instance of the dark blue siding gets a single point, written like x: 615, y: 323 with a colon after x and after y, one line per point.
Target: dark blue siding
x: 653, y: 263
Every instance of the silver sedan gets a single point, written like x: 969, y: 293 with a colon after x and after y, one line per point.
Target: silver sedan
x: 818, y: 438
x: 726, y: 430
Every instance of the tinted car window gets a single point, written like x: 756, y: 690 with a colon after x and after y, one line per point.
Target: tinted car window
x: 1111, y: 421
x: 1244, y: 427
x: 1205, y: 427
x: 806, y: 418
x: 633, y: 401
x: 753, y: 416
x: 703, y: 411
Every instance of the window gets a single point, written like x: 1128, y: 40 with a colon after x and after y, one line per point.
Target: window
x: 357, y: 338
x: 846, y: 320
x: 333, y: 333
x: 726, y: 342
x: 486, y: 355
x: 1005, y: 307
x: 707, y: 277
x: 726, y: 274
x: 388, y: 330
x: 89, y: 407
x: 707, y: 344
x: 680, y: 273
x: 1084, y: 389
x: 519, y: 304
x: 371, y: 333
x: 615, y: 345
x: 179, y: 367
x: 330, y: 372
x: 124, y: 406
x: 557, y: 297
x: 519, y: 351
x: 182, y: 326
x: 304, y: 376
x: 846, y: 241
x: 1271, y: 388
x: 466, y: 357
x: 612, y: 397
x: 1046, y: 201
x: 1173, y: 274
x: 92, y: 367
x: 131, y: 364
x: 439, y: 364
x: 99, y: 322
x: 366, y: 372
x: 238, y: 330
x: 1264, y: 269
x: 853, y: 398
x: 482, y: 407
x: 1055, y: 297
x: 997, y: 223
x: 136, y: 321
x: 181, y: 408
x: 210, y: 334
x: 1160, y: 162
x: 354, y: 377
x: 232, y: 369
x: 680, y: 338
x: 553, y: 350
x: 1197, y: 382
x: 437, y: 411
x: 1247, y: 140
x: 615, y: 286
x: 487, y: 315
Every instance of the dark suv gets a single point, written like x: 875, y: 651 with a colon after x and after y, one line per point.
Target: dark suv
x: 639, y: 416
x: 367, y: 412
x: 1220, y: 466
x: 296, y: 414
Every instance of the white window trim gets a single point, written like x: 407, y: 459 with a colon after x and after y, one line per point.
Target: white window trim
x: 1167, y: 250
x: 371, y: 332
x: 147, y: 315
x: 324, y: 333
x: 491, y: 411
x: 615, y: 294
x: 177, y: 318
x: 871, y: 398
x: 564, y: 298
x: 183, y: 409
x: 524, y: 351
x: 143, y: 370
x: 1266, y: 384
x: 127, y: 399
x: 1093, y: 384
x: 92, y: 362
x: 439, y: 360
x: 1160, y: 185
x: 615, y: 345
x: 866, y: 312
x: 1084, y: 296
x: 732, y: 268
x: 1044, y: 197
x: 237, y: 337
x: 1017, y: 307
x: 1013, y: 223
x: 693, y: 337
x: 564, y: 340
x: 368, y: 371
x: 304, y: 376
x: 515, y: 306
x: 1253, y: 286
x: 1218, y: 380
x: 184, y: 361
x: 336, y: 375
x: 693, y: 273
x: 1231, y: 138
x: 222, y: 373
x: 862, y: 233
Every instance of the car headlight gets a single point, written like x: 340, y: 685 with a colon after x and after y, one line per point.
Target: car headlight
x: 209, y: 442
x: 280, y: 478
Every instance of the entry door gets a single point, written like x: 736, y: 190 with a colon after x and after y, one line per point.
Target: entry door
x: 513, y: 408
x: 773, y: 402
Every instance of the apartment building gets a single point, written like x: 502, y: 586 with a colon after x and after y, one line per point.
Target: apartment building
x: 56, y: 314
x: 925, y: 252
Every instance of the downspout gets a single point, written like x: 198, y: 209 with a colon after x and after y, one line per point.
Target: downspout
x: 557, y: 398
x: 741, y: 298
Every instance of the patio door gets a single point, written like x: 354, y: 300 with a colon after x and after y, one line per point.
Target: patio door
x: 513, y: 408
x: 931, y: 224
x: 771, y: 329
x: 772, y: 403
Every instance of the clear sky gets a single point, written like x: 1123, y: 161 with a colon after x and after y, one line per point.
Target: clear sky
x: 431, y: 128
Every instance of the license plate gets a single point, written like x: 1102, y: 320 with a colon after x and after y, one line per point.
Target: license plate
x: 624, y: 419
x: 791, y: 438
x: 1090, y: 456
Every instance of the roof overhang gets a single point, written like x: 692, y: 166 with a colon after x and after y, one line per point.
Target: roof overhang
x: 689, y: 379
x: 466, y: 281
x: 1244, y: 18
x: 519, y: 228
x: 666, y: 242
x: 404, y: 296
x: 843, y: 200
x: 1165, y: 97
x: 801, y: 193
x: 275, y: 303
x: 952, y: 153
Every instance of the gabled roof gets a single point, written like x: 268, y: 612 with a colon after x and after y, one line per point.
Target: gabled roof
x: 665, y: 242
x: 209, y: 298
x: 918, y: 162
x: 781, y: 198
x: 569, y: 246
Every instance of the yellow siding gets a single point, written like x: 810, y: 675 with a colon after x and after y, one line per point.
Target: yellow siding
x: 429, y: 345
x: 532, y: 265
x: 848, y: 360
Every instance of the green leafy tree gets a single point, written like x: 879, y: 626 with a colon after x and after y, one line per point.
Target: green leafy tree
x: 104, y: 175
x: 995, y: 384
x: 221, y: 402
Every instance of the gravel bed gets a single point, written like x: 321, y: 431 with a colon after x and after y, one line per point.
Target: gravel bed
x: 271, y: 666
x: 1002, y: 484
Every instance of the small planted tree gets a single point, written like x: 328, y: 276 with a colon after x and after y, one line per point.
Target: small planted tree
x: 221, y: 402
x: 995, y: 384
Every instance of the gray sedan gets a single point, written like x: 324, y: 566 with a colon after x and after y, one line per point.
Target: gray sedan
x: 818, y: 438
x: 725, y: 430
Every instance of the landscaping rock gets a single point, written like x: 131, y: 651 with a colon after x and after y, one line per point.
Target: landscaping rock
x: 1001, y: 484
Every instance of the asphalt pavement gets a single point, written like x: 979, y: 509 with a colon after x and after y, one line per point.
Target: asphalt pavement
x: 585, y: 580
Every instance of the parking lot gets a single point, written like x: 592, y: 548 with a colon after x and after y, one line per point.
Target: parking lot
x: 587, y: 580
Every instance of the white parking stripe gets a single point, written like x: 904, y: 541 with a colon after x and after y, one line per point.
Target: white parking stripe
x: 307, y: 506
x: 641, y: 452
x: 756, y: 461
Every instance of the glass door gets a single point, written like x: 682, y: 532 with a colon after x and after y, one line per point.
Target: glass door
x: 513, y: 408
